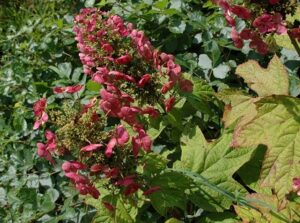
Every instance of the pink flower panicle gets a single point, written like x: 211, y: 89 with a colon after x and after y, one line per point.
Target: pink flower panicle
x: 110, y: 52
x: 259, y: 25
x: 46, y: 150
x: 68, y: 89
x: 135, y: 78
x: 41, y: 117
x: 82, y: 183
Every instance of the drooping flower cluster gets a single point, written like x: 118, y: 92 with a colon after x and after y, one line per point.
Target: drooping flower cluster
x: 267, y: 18
x: 98, y: 151
x: 135, y: 75
x: 136, y: 79
x: 41, y: 117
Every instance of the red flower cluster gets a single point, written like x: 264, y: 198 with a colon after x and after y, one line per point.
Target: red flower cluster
x: 82, y: 183
x: 265, y: 23
x: 295, y: 33
x: 41, y: 116
x: 80, y: 172
x: 123, y: 60
x: 45, y: 150
x: 68, y: 89
x: 135, y: 78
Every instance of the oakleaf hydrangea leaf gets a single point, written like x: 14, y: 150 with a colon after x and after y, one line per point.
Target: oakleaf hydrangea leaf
x: 265, y: 82
x: 237, y: 105
x: 268, y: 209
x: 216, y: 162
x: 276, y: 125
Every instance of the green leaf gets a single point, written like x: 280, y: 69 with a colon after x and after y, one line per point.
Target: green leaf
x: 202, y: 89
x: 216, y: 162
x: 162, y: 4
x: 19, y: 123
x: 225, y: 217
x: 155, y: 128
x: 176, y: 4
x: 76, y: 74
x: 48, y: 202
x: 215, y: 51
x: 250, y: 172
x: 93, y: 86
x: 237, y: 105
x: 32, y: 181
x: 28, y: 195
x: 173, y: 220
x: 276, y: 125
x: 221, y: 71
x: 64, y: 70
x: 103, y: 215
x: 177, y: 26
x: 125, y: 213
x: 171, y: 193
x: 89, y: 3
x: 202, y: 93
x: 154, y: 163
x: 284, y: 41
x: 268, y: 209
x: 265, y: 82
x: 45, y: 180
x: 296, y: 16
x: 53, y: 194
x: 204, y: 61
x: 2, y: 196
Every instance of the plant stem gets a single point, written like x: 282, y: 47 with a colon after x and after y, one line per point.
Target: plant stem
x: 295, y: 44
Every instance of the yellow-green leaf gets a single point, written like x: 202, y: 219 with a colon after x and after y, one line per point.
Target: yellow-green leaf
x: 173, y: 220
x: 265, y: 82
x: 284, y: 41
x: 216, y: 162
x: 268, y: 209
x: 276, y: 125
x: 237, y: 105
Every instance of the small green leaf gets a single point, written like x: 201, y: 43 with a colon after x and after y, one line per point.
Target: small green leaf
x: 45, y: 180
x: 32, y: 181
x: 19, y: 123
x: 53, y: 194
x: 65, y: 68
x: 173, y: 220
x: 2, y: 196
x: 89, y: 3
x: 162, y: 4
x: 177, y: 26
x: 204, y: 61
x: 76, y: 74
x: 125, y: 213
x: 221, y: 71
x: 93, y: 86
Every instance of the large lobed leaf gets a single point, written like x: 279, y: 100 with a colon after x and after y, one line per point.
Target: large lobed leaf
x: 238, y: 104
x: 268, y: 209
x: 265, y: 82
x: 216, y: 162
x: 276, y: 125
